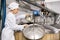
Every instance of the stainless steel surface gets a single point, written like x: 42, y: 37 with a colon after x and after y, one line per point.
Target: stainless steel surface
x: 56, y: 26
x: 34, y: 31
x: 54, y: 29
x: 45, y: 20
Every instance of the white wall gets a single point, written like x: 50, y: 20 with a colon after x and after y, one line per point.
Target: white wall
x: 51, y: 0
x: 9, y: 1
x: 55, y: 6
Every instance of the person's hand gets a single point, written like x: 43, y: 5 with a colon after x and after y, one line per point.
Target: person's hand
x: 25, y: 25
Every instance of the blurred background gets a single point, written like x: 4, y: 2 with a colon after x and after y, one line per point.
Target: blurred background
x: 48, y: 10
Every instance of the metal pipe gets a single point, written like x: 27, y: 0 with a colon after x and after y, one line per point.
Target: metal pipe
x: 45, y: 8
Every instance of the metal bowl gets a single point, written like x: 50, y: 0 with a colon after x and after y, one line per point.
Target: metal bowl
x: 34, y: 31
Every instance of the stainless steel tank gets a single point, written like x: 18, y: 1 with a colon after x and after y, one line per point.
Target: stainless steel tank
x: 34, y: 31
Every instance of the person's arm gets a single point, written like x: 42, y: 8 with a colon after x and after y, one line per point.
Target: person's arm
x: 21, y: 16
x: 12, y: 24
